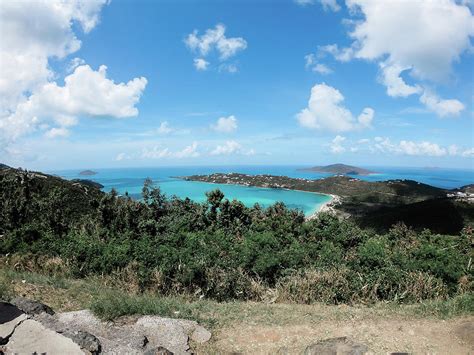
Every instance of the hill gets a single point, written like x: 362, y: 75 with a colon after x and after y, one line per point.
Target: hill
x: 339, y: 169
x: 88, y: 172
x: 377, y: 205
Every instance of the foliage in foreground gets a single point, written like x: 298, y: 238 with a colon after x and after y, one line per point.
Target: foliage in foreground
x: 222, y: 249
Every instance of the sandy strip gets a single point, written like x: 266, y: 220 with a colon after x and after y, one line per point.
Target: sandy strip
x: 326, y: 206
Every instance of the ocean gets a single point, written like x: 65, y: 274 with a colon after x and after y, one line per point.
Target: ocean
x: 131, y: 180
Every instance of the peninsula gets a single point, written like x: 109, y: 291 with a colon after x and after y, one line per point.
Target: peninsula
x: 378, y: 204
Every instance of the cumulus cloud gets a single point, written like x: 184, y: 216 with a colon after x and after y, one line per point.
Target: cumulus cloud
x: 24, y: 52
x: 325, y: 111
x: 74, y: 63
x: 421, y: 38
x: 85, y: 93
x: 396, y: 86
x: 201, y: 64
x: 225, y: 124
x: 327, y: 4
x: 29, y: 96
x: 441, y: 107
x: 405, y: 147
x: 336, y: 145
x: 157, y: 152
x: 230, y: 148
x: 214, y: 39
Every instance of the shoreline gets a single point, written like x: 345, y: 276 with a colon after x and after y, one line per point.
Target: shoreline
x: 324, y: 207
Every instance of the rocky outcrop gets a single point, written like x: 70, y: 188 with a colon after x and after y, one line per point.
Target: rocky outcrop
x: 31, y: 307
x: 32, y: 327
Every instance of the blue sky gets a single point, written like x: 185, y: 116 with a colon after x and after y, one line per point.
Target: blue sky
x: 389, y: 83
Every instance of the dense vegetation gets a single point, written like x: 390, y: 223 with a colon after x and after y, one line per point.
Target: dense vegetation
x: 375, y: 205
x: 221, y: 249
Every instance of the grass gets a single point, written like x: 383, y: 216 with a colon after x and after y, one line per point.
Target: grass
x: 109, y: 303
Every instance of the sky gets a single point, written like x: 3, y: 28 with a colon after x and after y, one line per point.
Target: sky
x: 121, y: 83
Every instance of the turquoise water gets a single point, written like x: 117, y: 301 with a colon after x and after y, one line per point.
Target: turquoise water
x: 131, y: 181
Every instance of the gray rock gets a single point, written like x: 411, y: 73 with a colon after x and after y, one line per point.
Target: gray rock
x: 85, y: 340
x: 336, y: 346
x: 32, y: 337
x: 10, y: 318
x: 200, y: 335
x: 32, y: 307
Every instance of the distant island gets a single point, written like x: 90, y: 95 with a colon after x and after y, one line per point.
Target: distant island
x: 339, y: 169
x: 88, y: 172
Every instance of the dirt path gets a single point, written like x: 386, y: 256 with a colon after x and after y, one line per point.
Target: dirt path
x: 382, y: 336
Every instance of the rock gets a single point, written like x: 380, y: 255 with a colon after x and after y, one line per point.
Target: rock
x: 31, y: 307
x: 146, y: 334
x: 336, y: 346
x: 85, y: 340
x: 166, y: 332
x: 10, y: 318
x: 32, y: 337
x: 200, y: 335
x: 158, y: 351
x: 465, y: 331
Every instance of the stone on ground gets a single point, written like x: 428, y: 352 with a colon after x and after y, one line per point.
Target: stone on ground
x: 31, y: 307
x: 32, y: 337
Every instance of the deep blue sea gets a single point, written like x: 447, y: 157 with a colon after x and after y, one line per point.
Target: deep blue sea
x: 131, y: 180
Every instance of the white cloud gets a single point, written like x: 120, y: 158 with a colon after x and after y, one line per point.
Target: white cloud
x: 85, y: 93
x: 442, y: 108
x: 422, y: 148
x: 468, y: 153
x: 322, y: 69
x: 33, y: 32
x: 366, y: 117
x: 164, y: 128
x: 225, y: 124
x: 201, y: 64
x: 421, y: 38
x: 214, y: 39
x: 341, y: 54
x: 413, y: 148
x: 159, y: 153
x: 230, y: 68
x: 188, y: 152
x: 405, y: 147
x: 313, y: 65
x: 427, y: 36
x: 231, y: 147
x: 74, y: 63
x: 57, y: 132
x: 396, y: 86
x: 326, y: 112
x: 122, y: 156
x: 327, y: 4
x: 336, y: 145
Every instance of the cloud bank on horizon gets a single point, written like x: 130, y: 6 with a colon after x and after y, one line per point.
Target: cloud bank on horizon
x: 218, y: 89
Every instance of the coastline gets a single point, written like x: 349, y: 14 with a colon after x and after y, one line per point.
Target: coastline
x: 327, y: 206
x: 324, y: 207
